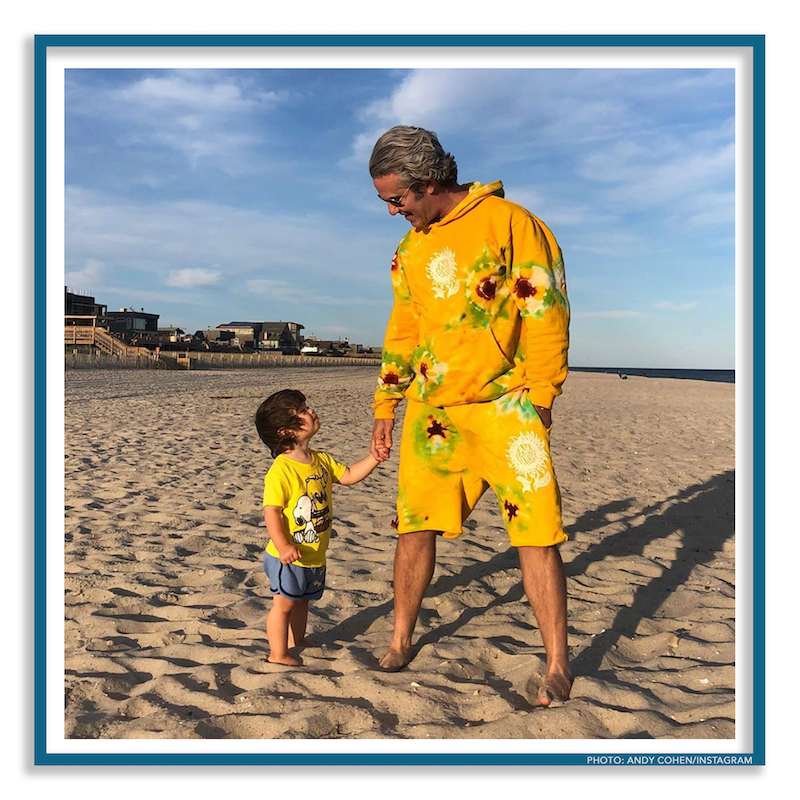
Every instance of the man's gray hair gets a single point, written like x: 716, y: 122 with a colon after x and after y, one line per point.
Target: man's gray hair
x: 414, y: 155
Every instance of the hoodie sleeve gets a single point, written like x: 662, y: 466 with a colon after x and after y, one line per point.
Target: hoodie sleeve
x: 402, y: 337
x: 536, y: 273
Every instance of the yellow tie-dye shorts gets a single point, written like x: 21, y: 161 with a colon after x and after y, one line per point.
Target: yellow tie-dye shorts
x: 450, y: 456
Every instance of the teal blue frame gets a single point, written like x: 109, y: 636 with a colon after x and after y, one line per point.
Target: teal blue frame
x: 754, y: 42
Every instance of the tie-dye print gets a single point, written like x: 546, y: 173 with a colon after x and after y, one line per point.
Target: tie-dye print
x: 449, y: 457
x: 480, y: 309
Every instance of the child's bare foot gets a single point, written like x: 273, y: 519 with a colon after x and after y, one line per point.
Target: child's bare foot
x: 286, y: 661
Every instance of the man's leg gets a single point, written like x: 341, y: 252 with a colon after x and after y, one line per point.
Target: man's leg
x: 414, y: 562
x: 546, y: 587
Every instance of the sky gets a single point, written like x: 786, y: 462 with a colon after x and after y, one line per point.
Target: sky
x: 213, y: 195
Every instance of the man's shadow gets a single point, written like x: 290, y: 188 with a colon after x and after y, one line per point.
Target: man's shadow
x: 701, y: 514
x: 704, y: 516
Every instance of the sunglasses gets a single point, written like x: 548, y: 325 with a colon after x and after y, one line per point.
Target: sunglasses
x: 395, y: 201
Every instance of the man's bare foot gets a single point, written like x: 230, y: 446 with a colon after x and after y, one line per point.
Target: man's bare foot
x: 394, y: 660
x: 543, y: 688
x: 554, y: 687
x: 286, y: 661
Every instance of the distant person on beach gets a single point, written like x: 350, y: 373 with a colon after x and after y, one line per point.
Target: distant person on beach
x: 297, y: 513
x: 477, y: 343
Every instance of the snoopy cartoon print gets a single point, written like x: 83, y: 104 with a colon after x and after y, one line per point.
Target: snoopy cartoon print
x: 310, y: 511
x: 303, y: 516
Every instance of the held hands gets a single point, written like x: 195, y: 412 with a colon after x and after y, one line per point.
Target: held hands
x: 381, y: 445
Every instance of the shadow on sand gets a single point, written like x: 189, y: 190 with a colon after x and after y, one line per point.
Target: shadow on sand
x: 701, y: 515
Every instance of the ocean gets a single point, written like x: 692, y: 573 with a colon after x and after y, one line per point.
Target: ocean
x: 715, y: 375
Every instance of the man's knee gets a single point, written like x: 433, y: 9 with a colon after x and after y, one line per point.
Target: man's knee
x: 534, y: 554
x: 417, y: 540
x: 417, y: 546
x: 536, y: 549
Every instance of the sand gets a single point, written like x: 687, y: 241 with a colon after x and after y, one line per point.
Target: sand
x: 165, y: 596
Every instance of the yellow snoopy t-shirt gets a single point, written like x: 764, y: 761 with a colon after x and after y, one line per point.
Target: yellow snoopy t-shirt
x: 303, y: 492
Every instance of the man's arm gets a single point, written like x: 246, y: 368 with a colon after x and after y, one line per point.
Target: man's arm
x: 402, y: 337
x: 536, y: 271
x: 287, y: 550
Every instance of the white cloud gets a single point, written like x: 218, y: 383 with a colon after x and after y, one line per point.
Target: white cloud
x: 304, y: 293
x: 658, y: 181
x: 276, y: 288
x: 608, y: 126
x: 362, y: 146
x: 567, y: 105
x: 554, y: 214
x: 201, y: 114
x: 525, y: 196
x: 201, y: 94
x: 611, y: 241
x: 668, y: 305
x: 710, y: 209
x: 188, y: 278
x: 89, y: 276
x: 434, y: 99
x: 156, y: 240
x: 665, y: 166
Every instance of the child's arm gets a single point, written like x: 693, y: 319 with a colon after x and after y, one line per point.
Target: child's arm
x: 287, y: 550
x: 358, y: 471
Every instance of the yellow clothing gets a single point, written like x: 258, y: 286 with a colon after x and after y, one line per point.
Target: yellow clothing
x: 450, y: 456
x: 303, y: 492
x: 480, y: 309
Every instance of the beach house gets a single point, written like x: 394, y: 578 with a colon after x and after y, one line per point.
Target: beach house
x: 284, y: 337
x: 82, y: 305
x: 132, y: 326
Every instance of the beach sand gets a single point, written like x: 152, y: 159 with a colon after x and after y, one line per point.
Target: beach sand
x: 166, y: 598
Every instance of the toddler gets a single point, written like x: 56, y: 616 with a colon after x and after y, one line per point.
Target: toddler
x: 297, y: 513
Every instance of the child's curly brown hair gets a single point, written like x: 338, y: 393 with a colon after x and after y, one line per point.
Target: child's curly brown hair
x: 276, y: 418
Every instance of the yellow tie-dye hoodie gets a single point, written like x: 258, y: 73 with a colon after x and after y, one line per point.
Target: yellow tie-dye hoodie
x: 480, y: 308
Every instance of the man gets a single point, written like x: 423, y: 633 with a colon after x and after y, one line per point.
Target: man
x: 477, y: 343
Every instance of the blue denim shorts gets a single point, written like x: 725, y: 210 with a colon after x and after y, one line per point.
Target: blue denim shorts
x: 292, y: 581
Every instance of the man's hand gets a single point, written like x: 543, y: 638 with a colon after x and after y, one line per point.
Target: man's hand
x: 381, y: 445
x: 545, y: 415
x: 289, y: 554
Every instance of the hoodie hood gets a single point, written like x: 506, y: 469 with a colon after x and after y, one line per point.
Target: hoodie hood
x: 478, y: 192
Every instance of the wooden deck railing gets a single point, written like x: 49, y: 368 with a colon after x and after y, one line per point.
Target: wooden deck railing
x: 102, y: 340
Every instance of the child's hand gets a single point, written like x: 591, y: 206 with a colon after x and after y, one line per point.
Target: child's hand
x: 381, y: 445
x: 289, y: 554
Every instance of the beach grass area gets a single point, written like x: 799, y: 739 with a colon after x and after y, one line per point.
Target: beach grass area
x: 165, y: 597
